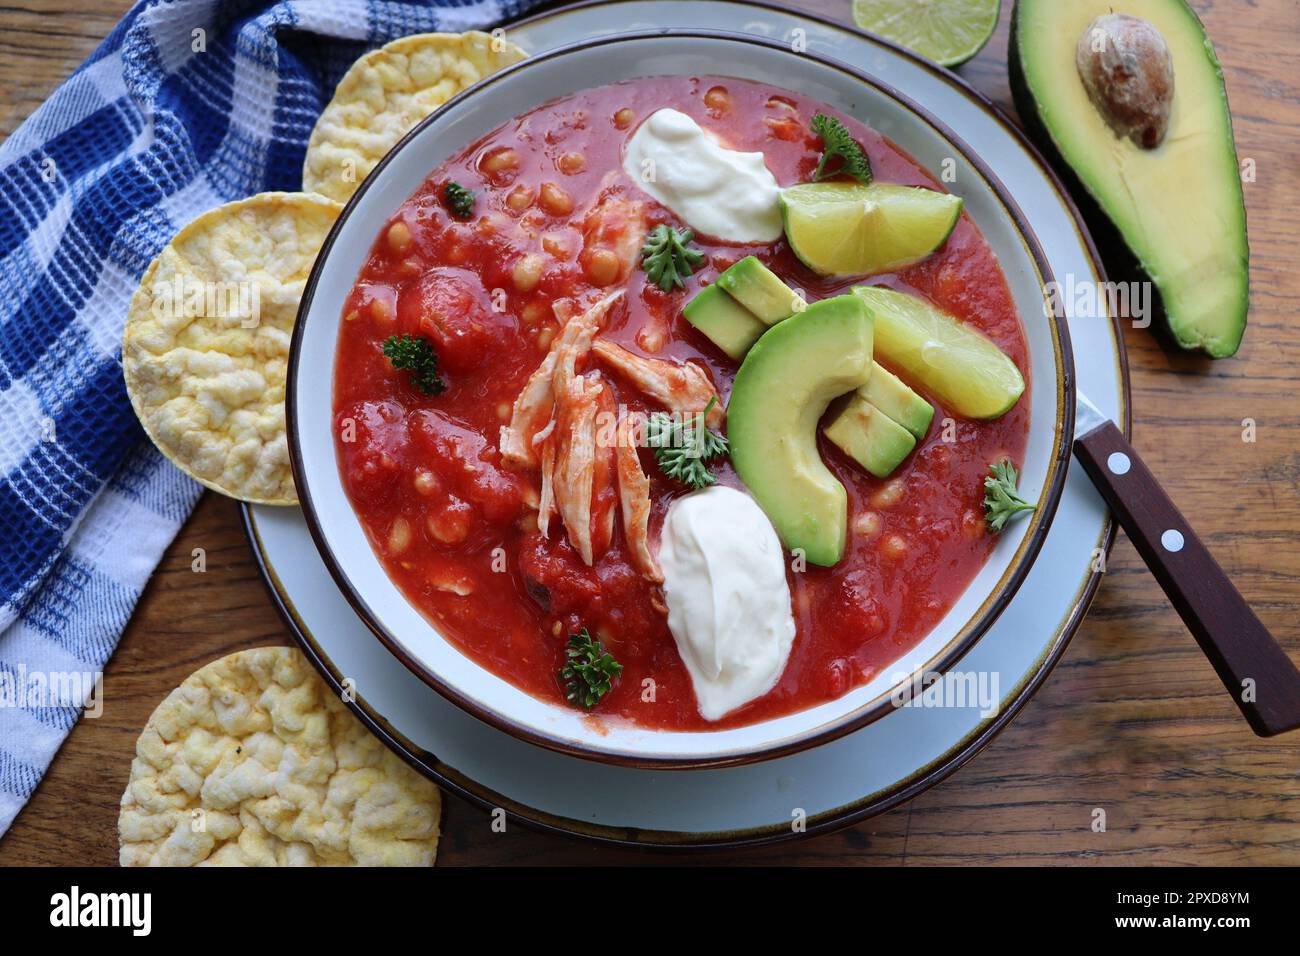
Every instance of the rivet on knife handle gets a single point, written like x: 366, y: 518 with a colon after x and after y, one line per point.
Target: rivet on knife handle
x: 1256, y: 671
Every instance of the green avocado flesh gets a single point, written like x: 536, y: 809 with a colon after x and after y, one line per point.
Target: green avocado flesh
x: 782, y: 390
x: 887, y: 392
x: 727, y: 323
x: 971, y: 375
x: 1178, y: 207
x: 869, y: 436
x: 758, y: 289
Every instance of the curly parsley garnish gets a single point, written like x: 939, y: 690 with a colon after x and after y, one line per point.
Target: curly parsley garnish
x: 837, y: 142
x: 415, y: 355
x: 666, y: 257
x: 1001, y: 499
x: 683, y: 447
x: 589, y: 674
x: 459, y: 200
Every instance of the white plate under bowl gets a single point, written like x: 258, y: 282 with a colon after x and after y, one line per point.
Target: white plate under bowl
x: 861, y: 774
x: 496, y: 101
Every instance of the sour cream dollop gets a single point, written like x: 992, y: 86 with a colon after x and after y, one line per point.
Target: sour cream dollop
x: 728, y: 600
x: 718, y: 192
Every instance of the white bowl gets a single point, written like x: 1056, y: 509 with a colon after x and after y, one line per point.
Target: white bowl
x: 498, y: 99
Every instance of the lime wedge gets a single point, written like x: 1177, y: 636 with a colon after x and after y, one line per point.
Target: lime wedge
x: 846, y: 229
x: 949, y: 32
x: 970, y: 374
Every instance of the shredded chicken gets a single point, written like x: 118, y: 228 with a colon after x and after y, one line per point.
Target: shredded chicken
x: 634, y: 500
x: 535, y: 405
x: 546, y: 500
x: 574, y: 470
x: 556, y: 424
x: 618, y: 225
x: 681, y: 387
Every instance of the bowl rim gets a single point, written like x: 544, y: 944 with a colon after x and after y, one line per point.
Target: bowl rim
x: 940, y: 662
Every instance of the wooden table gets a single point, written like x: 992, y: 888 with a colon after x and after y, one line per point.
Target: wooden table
x: 1133, y: 720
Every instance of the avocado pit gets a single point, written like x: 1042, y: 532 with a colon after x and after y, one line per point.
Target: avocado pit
x: 1128, y: 73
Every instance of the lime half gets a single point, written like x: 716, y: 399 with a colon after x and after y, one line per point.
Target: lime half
x: 846, y: 229
x: 949, y: 32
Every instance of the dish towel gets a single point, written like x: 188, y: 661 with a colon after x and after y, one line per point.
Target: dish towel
x: 186, y: 105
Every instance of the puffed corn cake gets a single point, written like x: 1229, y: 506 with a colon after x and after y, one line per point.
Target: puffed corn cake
x: 253, y: 761
x: 206, y: 348
x: 385, y: 94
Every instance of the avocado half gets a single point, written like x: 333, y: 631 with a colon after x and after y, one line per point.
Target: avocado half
x: 1178, y: 207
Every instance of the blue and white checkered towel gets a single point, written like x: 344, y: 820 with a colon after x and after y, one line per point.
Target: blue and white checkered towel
x: 186, y: 105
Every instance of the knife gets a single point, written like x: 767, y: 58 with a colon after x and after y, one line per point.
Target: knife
x: 1253, y: 667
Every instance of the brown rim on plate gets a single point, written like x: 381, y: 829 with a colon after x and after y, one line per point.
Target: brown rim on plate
x: 999, y: 596
x: 852, y: 813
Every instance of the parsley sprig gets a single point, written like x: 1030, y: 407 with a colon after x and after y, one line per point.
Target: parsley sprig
x: 666, y: 257
x: 415, y: 355
x: 838, y: 142
x: 589, y: 672
x: 1002, y: 500
x: 459, y: 200
x: 682, y: 448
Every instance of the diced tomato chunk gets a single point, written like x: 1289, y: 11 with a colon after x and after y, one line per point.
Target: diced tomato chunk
x: 372, y: 440
x: 451, y: 308
x: 468, y: 464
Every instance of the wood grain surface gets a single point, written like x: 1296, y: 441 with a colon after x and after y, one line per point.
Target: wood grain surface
x: 1133, y: 721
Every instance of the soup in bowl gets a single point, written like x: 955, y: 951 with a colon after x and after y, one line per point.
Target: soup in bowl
x: 683, y: 418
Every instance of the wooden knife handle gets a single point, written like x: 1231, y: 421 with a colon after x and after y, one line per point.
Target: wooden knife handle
x: 1255, y: 670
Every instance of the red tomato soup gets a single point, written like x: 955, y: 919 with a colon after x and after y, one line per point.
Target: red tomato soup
x: 457, y: 530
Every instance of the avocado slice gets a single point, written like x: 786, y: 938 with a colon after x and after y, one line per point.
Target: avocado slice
x: 728, y: 324
x: 887, y: 392
x: 782, y: 390
x: 970, y: 374
x: 1178, y: 207
x: 759, y: 290
x: 869, y: 436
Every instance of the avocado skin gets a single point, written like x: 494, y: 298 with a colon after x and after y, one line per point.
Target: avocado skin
x: 1122, y: 262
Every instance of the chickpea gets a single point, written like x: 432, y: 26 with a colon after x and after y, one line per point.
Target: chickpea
x: 399, y: 536
x: 544, y: 338
x: 784, y: 128
x: 893, y: 547
x: 623, y: 118
x: 399, y: 237
x: 571, y: 163
x: 450, y: 524
x: 534, y: 312
x: 527, y: 272
x: 867, y: 525
x: 493, y: 223
x: 555, y: 200
x: 602, y: 267
x: 521, y: 197
x: 500, y: 164
x: 888, y: 494
x: 718, y: 99
x: 426, y: 482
